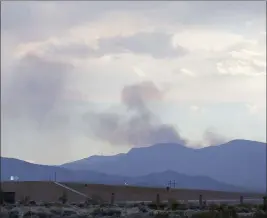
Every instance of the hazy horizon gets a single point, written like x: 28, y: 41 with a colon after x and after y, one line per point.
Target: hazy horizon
x: 113, y: 154
x: 90, y: 78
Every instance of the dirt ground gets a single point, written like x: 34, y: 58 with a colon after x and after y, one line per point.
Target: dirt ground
x: 49, y: 191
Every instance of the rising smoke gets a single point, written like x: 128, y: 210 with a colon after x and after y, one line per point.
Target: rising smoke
x: 35, y: 90
x: 211, y: 138
x: 36, y: 118
x: 141, y: 127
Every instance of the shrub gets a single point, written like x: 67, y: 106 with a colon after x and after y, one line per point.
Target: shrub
x: 101, y: 212
x: 155, y: 206
x: 175, y: 205
x: 226, y: 213
x: 25, y: 200
x: 64, y: 198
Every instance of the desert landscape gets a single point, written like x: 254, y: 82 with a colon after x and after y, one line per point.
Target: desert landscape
x: 54, y: 200
x: 142, y: 210
x: 133, y: 109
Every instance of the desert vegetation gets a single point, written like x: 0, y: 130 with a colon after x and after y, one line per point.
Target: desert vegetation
x: 95, y: 209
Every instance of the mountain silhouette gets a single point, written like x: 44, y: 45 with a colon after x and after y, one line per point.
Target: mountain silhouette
x: 238, y: 162
x: 25, y: 171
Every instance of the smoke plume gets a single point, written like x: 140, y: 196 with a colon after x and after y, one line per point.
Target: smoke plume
x: 35, y: 90
x: 211, y: 138
x: 141, y: 127
x: 33, y: 113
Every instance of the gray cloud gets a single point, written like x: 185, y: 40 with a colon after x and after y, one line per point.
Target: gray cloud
x: 80, y: 50
x: 140, y: 127
x: 35, y: 90
x: 56, y: 17
x: 35, y: 120
x: 34, y: 112
x: 34, y: 100
x: 38, y: 20
x: 158, y: 45
x: 209, y: 12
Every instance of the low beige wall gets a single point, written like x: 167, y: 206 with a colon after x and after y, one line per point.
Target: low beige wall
x: 39, y: 191
x: 48, y: 191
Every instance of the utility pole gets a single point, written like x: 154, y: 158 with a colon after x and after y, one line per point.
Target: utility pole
x: 174, y: 183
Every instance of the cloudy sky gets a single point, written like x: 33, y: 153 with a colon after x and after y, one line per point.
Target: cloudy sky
x: 85, y: 78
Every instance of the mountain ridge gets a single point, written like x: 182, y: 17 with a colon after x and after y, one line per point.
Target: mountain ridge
x: 239, y: 162
x: 26, y: 171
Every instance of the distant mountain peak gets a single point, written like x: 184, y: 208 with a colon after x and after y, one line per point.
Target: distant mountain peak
x: 239, y: 162
x: 34, y: 172
x: 164, y: 145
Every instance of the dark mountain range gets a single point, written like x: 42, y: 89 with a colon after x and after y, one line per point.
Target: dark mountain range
x: 33, y: 172
x: 238, y: 162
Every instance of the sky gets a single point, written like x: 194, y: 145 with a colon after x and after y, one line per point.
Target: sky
x: 98, y: 78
